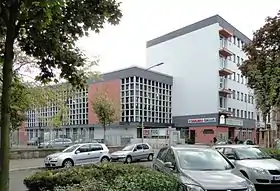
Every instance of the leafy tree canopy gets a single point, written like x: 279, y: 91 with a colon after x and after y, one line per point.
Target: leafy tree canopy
x: 262, y: 68
x: 47, y: 30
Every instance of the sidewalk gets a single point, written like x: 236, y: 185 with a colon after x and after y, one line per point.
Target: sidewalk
x: 26, y: 164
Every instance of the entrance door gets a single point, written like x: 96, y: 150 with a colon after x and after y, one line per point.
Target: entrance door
x: 231, y: 133
x: 192, y: 136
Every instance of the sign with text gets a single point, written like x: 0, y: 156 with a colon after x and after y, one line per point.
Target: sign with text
x: 234, y: 122
x: 202, y: 120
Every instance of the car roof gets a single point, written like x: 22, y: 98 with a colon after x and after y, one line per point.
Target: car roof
x: 235, y: 146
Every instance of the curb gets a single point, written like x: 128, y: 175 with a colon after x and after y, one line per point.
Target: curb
x: 28, y: 168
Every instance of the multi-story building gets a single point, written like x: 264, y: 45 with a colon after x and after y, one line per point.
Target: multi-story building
x: 210, y: 97
x: 140, y: 94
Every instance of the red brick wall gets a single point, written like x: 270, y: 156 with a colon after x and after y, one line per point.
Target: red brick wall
x: 200, y: 137
x: 111, y: 88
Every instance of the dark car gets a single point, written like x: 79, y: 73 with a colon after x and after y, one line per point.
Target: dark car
x: 200, y: 168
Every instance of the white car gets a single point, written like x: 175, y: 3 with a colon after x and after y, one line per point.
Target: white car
x: 79, y: 154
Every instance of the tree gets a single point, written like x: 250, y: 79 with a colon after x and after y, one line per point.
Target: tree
x: 262, y: 68
x: 46, y: 30
x: 105, y: 111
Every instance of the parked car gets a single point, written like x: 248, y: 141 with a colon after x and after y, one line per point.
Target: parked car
x: 133, y: 152
x: 34, y: 141
x: 79, y: 154
x: 200, y: 167
x: 253, y: 162
x: 56, y: 143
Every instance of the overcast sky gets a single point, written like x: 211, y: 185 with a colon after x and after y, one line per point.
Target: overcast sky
x: 124, y: 45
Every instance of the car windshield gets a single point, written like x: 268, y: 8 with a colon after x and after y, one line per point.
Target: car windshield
x: 70, y: 149
x: 128, y: 148
x: 251, y: 153
x: 202, y: 160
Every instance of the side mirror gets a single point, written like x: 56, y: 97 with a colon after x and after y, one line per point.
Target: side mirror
x: 77, y: 152
x: 169, y: 165
x: 134, y: 150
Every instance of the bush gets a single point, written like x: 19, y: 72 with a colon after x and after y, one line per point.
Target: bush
x: 275, y: 153
x: 106, y: 177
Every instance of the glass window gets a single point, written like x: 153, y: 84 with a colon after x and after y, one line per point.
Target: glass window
x: 145, y: 147
x: 251, y: 153
x: 162, y: 153
x: 128, y: 148
x: 202, y: 160
x: 139, y: 147
x: 84, y: 148
x: 170, y: 157
x: 96, y: 147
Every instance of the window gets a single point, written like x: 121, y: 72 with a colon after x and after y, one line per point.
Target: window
x: 200, y: 160
x: 249, y: 99
x: 242, y: 96
x: 208, y: 131
x: 229, y: 95
x: 238, y: 60
x: 139, y: 147
x: 245, y: 114
x: 238, y: 77
x: 242, y: 79
x: 237, y: 113
x: 234, y: 39
x: 249, y: 115
x: 241, y: 114
x: 238, y: 95
x: 229, y: 152
x: 233, y: 112
x: 170, y: 157
x: 233, y: 58
x: 251, y: 153
x: 238, y: 43
x: 84, y: 148
x: 96, y: 147
x: 242, y: 60
x: 229, y: 109
x: 162, y: 153
x: 145, y: 147
x: 233, y: 94
x: 233, y: 76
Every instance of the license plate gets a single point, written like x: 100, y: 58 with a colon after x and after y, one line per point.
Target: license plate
x: 276, y: 177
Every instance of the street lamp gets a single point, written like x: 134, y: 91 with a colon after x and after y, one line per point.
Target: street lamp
x: 142, y: 121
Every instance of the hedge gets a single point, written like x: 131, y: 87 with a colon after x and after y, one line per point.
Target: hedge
x: 106, y: 177
x: 275, y: 153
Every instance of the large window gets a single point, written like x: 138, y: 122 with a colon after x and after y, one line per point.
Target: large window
x: 144, y: 99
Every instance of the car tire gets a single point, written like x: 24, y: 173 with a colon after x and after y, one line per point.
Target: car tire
x: 150, y: 157
x: 128, y: 160
x: 105, y: 159
x: 67, y: 163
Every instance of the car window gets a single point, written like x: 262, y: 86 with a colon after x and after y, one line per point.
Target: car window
x: 96, y: 147
x: 162, y: 153
x: 251, y: 153
x: 228, y: 151
x: 170, y: 157
x: 202, y: 160
x: 145, y: 146
x: 139, y: 147
x: 84, y: 148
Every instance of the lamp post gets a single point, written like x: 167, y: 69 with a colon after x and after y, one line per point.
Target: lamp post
x: 142, y: 121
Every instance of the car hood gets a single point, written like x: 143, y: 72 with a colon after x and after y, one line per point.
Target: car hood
x: 217, y: 180
x: 268, y: 164
x: 120, y: 153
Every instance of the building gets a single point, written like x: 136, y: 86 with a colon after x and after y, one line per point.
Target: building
x: 140, y: 94
x: 210, y: 97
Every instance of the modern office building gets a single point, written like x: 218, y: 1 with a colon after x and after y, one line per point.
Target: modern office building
x: 209, y: 97
x: 140, y: 94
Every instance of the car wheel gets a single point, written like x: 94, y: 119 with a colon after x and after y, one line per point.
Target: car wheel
x: 150, y: 157
x: 128, y: 159
x: 105, y: 159
x: 67, y: 163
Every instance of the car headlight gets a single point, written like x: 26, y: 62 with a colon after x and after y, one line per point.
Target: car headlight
x: 190, y: 187
x: 259, y: 171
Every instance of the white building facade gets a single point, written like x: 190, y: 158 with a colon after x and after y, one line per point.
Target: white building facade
x: 203, y: 59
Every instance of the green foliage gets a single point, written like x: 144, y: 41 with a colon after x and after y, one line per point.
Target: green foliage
x: 106, y: 177
x: 105, y: 109
x: 262, y: 68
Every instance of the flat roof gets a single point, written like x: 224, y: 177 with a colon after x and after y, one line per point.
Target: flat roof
x: 196, y: 26
x: 136, y: 71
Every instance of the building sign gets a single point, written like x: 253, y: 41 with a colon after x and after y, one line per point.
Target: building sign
x: 234, y: 122
x: 202, y: 120
x: 222, y: 119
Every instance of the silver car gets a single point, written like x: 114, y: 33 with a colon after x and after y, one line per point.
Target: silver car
x: 254, y: 163
x: 201, y: 168
x: 78, y: 154
x: 133, y: 152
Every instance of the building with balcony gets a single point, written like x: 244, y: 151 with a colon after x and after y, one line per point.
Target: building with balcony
x: 210, y: 97
x: 140, y: 94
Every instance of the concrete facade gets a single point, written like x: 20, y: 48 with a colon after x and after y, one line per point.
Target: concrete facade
x: 203, y: 59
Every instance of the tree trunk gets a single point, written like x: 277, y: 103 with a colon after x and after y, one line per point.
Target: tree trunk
x: 104, y: 135
x: 6, y: 94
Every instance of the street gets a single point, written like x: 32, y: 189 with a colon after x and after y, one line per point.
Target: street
x: 16, y: 179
